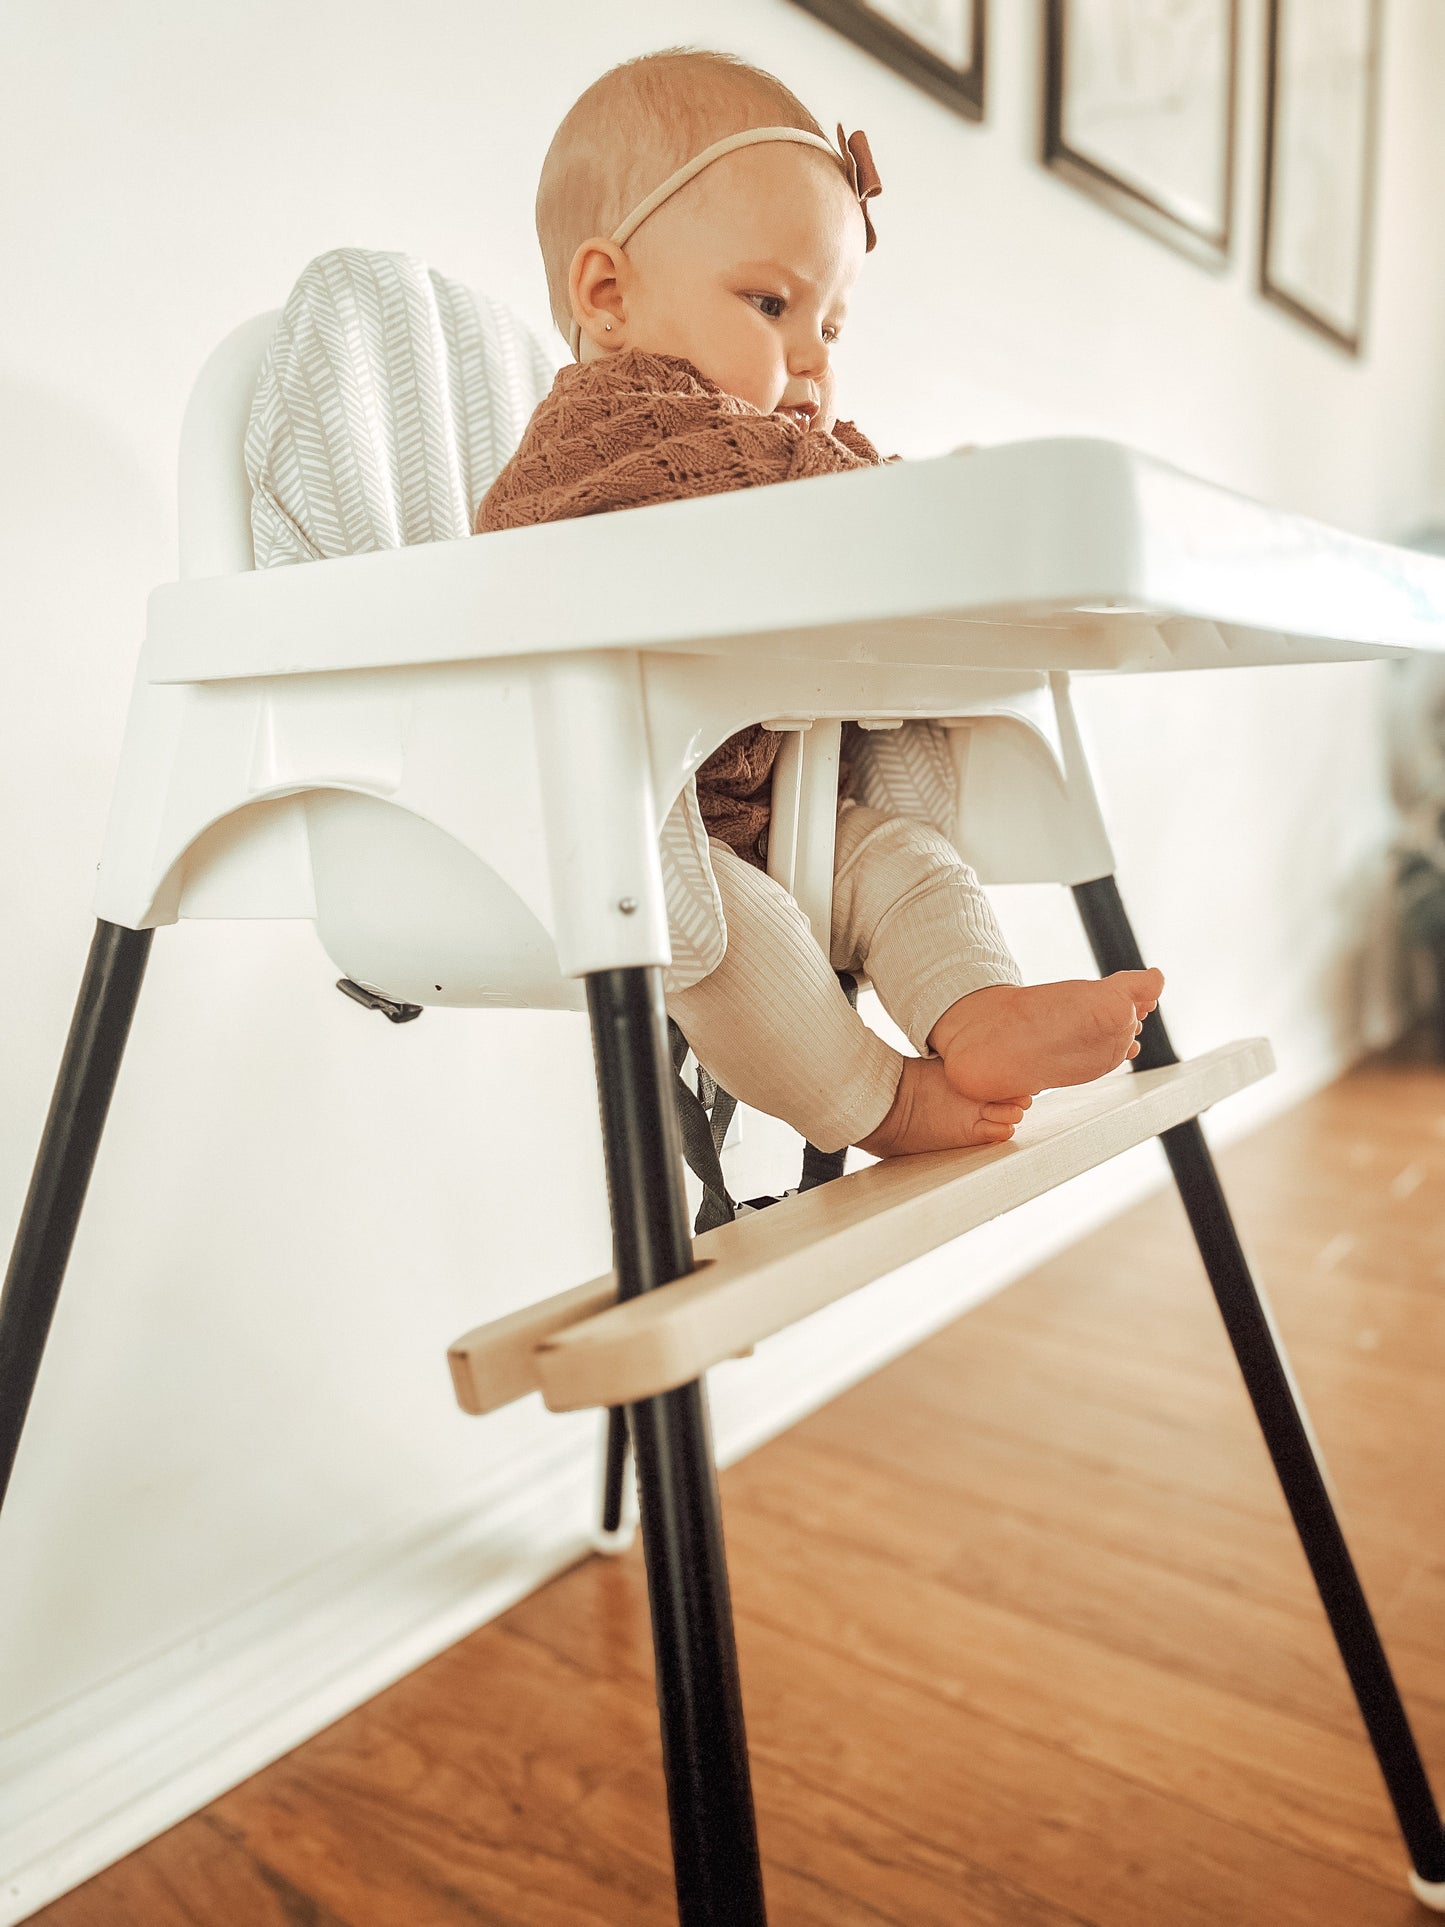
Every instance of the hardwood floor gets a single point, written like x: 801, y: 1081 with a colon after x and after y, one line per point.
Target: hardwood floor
x: 1027, y: 1639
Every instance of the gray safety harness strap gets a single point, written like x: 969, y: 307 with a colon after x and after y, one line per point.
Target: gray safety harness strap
x: 704, y: 1115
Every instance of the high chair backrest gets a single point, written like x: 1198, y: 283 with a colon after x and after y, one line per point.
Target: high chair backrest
x: 374, y: 410
x: 214, y: 493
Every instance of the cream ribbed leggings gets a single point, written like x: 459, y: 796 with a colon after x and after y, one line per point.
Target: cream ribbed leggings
x: 771, y: 1022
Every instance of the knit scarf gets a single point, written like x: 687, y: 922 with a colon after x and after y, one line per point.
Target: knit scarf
x: 636, y: 428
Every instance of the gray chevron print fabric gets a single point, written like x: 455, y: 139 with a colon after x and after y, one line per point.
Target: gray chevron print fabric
x: 696, y: 927
x: 389, y: 400
x: 909, y: 772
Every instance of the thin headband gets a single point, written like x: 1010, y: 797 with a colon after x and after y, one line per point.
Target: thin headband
x: 854, y: 154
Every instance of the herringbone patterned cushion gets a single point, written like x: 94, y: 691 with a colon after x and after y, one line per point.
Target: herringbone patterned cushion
x: 388, y: 402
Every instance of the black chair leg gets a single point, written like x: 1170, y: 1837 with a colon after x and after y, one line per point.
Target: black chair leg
x: 699, y: 1697
x: 1286, y: 1430
x: 83, y: 1089
x: 614, y: 1472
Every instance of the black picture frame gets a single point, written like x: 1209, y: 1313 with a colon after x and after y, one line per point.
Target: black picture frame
x: 1207, y: 244
x: 961, y: 88
x: 1348, y: 332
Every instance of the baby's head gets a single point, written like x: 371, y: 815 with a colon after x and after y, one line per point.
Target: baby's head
x: 745, y: 270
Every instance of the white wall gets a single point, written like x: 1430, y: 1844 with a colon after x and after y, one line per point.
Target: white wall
x: 245, y: 1500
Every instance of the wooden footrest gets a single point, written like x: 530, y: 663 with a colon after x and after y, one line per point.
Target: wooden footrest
x: 765, y: 1271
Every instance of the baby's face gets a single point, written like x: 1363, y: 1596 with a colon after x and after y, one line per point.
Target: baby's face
x: 745, y: 272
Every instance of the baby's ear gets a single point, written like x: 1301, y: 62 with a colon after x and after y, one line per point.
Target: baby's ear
x: 592, y: 283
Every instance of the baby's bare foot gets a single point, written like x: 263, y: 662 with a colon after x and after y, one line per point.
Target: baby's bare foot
x: 1030, y: 1037
x: 927, y: 1114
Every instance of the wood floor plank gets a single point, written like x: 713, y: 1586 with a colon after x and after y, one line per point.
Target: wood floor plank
x: 924, y: 1521
x: 1348, y: 1311
x: 194, y: 1875
x: 1100, y: 1410
x: 959, y: 1515
x: 1125, y: 1605
x: 832, y: 1860
x: 1376, y: 1427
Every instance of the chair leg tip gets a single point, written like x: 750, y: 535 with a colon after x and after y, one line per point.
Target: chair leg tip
x: 612, y: 1545
x: 1429, y: 1893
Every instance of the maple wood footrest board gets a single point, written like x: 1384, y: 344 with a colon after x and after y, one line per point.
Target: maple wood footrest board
x: 497, y: 1363
x: 766, y: 1271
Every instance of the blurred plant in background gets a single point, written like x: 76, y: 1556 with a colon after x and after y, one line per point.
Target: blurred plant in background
x: 1417, y: 768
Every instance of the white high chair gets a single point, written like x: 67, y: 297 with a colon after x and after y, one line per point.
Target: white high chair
x: 304, y: 743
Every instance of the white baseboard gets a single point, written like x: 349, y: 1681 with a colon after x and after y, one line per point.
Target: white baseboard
x: 89, y: 1782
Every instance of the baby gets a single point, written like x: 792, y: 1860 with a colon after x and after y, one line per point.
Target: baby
x: 703, y: 306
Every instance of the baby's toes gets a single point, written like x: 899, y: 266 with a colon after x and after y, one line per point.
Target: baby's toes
x: 1121, y: 1006
x: 1111, y: 1027
x: 1005, y: 1112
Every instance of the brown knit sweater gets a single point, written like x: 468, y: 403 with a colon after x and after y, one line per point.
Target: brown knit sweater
x: 639, y: 428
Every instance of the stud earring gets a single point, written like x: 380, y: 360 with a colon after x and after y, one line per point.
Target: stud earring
x: 609, y: 327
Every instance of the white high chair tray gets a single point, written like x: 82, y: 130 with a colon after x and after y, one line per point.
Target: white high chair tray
x: 1064, y: 554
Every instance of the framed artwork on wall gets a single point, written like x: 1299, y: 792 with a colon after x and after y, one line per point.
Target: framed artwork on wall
x: 1319, y: 162
x: 937, y: 44
x: 1139, y: 112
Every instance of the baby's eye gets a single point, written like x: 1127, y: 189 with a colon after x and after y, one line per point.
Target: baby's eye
x: 775, y: 315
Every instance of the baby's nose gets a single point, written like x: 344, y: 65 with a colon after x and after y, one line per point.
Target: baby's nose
x: 810, y: 363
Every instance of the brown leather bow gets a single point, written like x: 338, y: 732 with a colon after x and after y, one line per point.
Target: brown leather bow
x: 858, y: 159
